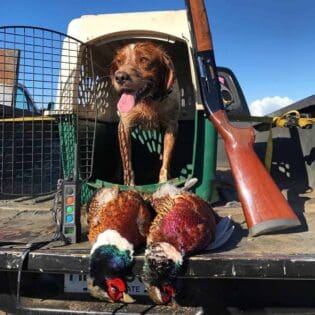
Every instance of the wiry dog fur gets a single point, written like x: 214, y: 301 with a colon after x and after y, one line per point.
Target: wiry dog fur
x: 145, y: 72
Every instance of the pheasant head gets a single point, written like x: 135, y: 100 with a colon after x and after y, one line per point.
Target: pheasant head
x: 110, y: 260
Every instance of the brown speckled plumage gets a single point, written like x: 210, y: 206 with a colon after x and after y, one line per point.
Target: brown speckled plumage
x: 127, y: 213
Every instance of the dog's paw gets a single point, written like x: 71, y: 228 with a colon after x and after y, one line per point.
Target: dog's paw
x: 163, y: 175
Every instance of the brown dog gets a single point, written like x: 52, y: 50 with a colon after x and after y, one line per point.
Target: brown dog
x: 143, y: 74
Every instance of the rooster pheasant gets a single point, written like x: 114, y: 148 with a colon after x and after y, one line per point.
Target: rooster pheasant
x: 185, y: 224
x: 118, y: 224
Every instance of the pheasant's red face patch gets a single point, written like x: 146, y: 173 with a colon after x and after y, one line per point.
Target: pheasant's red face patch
x: 168, y: 293
x: 115, y: 288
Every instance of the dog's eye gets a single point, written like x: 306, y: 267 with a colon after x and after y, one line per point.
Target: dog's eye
x: 144, y: 60
x: 119, y: 62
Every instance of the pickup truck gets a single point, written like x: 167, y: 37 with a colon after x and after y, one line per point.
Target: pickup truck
x: 23, y: 104
x: 41, y: 273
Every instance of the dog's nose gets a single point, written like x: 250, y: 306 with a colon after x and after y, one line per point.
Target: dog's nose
x: 121, y: 77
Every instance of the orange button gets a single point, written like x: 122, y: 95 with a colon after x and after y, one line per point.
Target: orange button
x: 69, y: 200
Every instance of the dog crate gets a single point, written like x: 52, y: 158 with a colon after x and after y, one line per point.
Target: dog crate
x: 195, y: 150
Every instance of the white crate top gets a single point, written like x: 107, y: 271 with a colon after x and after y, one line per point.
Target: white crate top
x: 160, y: 24
x: 107, y: 31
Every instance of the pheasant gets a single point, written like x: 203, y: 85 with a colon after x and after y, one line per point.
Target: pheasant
x: 118, y: 224
x: 185, y: 224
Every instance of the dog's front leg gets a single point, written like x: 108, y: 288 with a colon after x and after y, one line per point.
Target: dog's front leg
x: 124, y: 136
x: 168, y: 146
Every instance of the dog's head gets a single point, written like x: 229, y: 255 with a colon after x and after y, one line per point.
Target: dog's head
x: 143, y: 70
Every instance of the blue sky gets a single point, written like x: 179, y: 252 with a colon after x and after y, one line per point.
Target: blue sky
x: 269, y: 44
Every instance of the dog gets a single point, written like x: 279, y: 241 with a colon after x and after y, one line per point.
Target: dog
x: 143, y: 75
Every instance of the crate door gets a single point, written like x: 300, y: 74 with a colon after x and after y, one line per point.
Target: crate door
x: 46, y: 109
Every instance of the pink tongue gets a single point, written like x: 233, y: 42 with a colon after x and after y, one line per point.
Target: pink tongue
x: 126, y: 102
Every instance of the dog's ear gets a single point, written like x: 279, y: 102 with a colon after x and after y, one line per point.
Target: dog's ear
x: 112, y: 68
x: 170, y: 72
x: 113, y: 65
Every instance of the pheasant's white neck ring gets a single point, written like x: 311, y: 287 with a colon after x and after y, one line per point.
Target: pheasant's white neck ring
x: 112, y: 237
x: 170, y: 252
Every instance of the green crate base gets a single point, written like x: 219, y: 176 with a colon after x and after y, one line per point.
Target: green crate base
x: 195, y: 145
x: 88, y: 189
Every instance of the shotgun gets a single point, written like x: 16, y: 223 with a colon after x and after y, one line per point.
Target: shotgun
x: 265, y: 208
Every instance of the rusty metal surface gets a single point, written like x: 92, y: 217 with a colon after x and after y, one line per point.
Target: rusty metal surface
x: 25, y: 220
x: 10, y: 259
x: 95, y: 307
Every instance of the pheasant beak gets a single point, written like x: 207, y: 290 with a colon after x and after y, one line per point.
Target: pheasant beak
x: 116, y: 290
x: 127, y: 299
x: 163, y: 295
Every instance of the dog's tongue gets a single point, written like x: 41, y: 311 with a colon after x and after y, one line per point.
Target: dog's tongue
x: 126, y: 102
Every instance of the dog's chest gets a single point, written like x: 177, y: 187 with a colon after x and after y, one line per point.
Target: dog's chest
x: 148, y: 116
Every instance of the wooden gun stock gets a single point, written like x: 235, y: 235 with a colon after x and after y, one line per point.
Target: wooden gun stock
x: 265, y: 208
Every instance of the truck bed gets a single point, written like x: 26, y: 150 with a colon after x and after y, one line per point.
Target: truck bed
x: 286, y: 255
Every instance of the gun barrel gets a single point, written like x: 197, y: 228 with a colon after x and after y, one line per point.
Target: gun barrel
x: 199, y: 18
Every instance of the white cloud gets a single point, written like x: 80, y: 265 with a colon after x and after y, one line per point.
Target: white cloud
x: 268, y: 104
